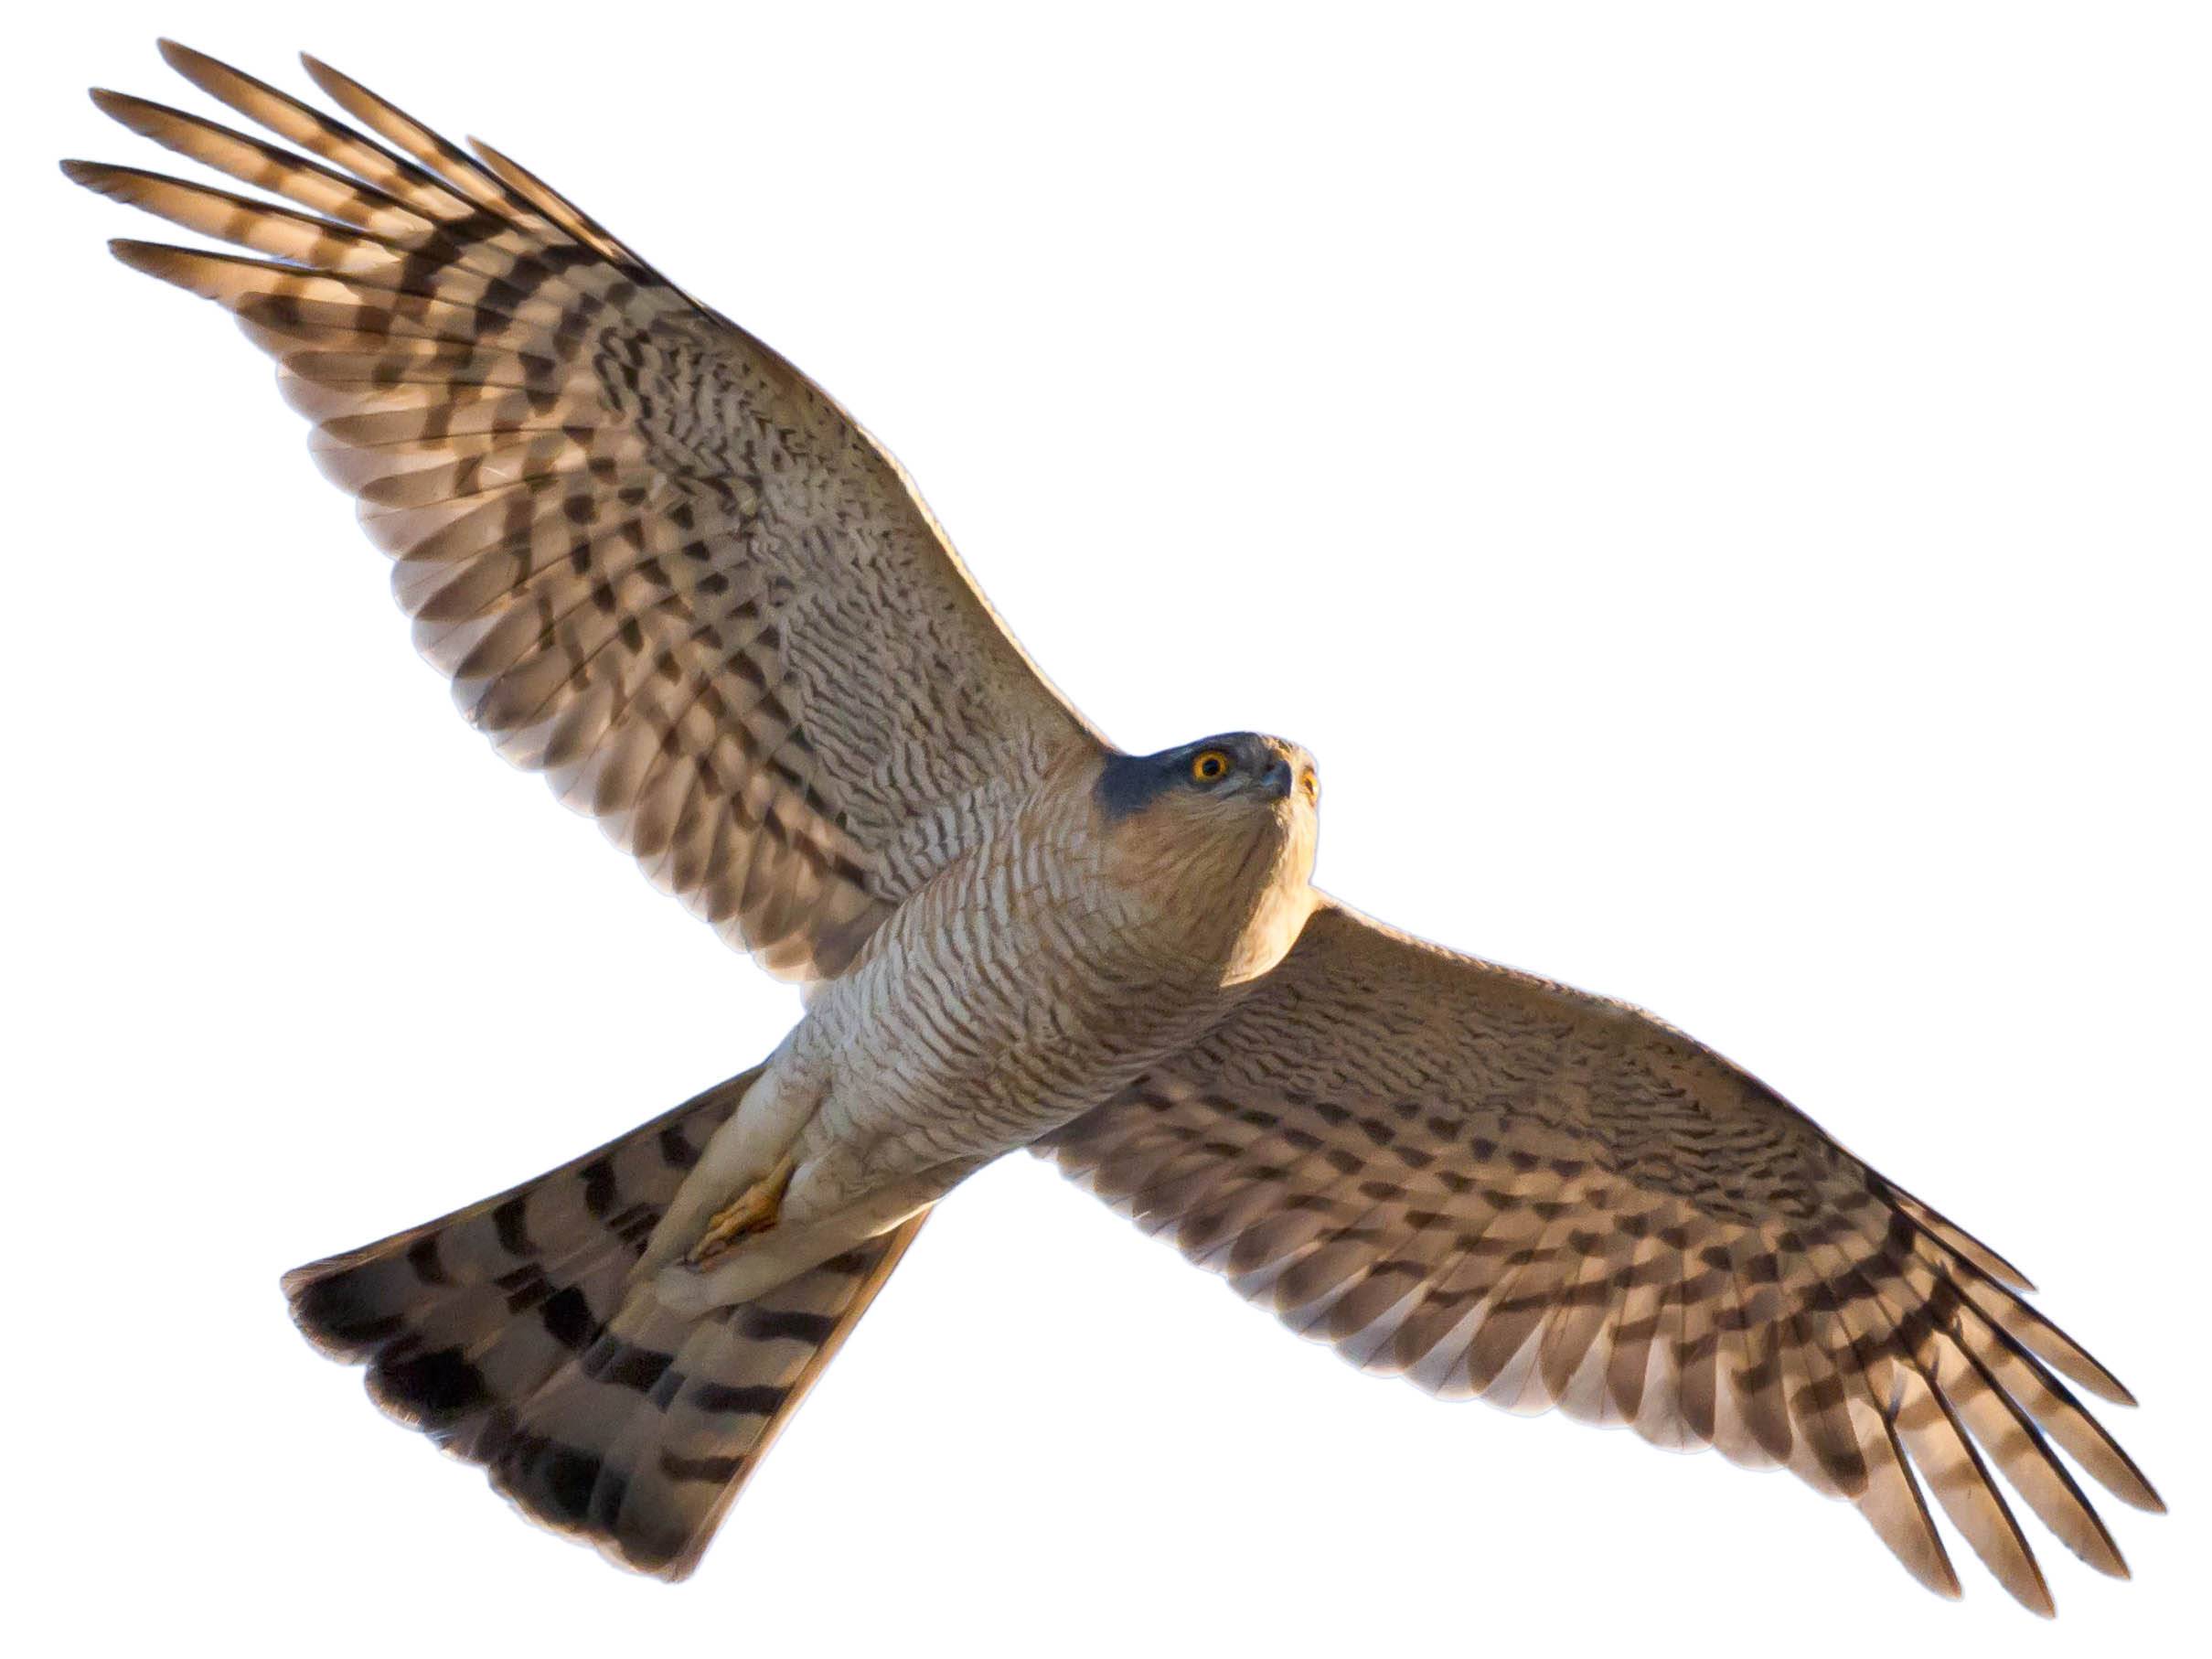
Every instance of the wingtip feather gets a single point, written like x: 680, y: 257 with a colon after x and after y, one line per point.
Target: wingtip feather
x: 103, y: 179
x: 126, y: 108
x: 179, y: 267
x: 177, y: 54
x: 322, y: 74
x: 142, y: 256
x: 183, y: 58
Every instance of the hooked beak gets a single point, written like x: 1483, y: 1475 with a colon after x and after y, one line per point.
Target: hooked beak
x: 1278, y: 779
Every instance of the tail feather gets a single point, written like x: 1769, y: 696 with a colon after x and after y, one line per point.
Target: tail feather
x: 642, y: 1445
x: 501, y: 1332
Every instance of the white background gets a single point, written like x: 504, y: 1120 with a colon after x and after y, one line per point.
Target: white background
x: 1722, y: 489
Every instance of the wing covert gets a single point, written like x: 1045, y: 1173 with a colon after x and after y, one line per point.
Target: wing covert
x: 1498, y: 1186
x: 656, y: 561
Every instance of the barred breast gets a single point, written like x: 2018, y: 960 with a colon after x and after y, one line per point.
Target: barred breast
x: 1027, y: 982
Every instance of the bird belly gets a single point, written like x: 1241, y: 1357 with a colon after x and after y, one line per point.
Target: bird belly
x: 1011, y: 994
x: 981, y: 1022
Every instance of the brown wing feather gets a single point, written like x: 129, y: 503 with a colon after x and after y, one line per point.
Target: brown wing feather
x: 1496, y: 1185
x: 657, y: 562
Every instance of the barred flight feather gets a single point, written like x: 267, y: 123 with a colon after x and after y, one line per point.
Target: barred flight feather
x: 656, y: 561
x: 1496, y: 1186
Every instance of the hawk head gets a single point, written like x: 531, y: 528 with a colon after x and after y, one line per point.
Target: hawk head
x: 1221, y: 781
x: 1221, y: 833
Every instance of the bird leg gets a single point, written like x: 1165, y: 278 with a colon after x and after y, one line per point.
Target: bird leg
x: 752, y: 1211
x: 752, y: 1267
x: 751, y: 1152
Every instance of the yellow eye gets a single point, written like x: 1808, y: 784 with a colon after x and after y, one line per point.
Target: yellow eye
x: 1309, y: 784
x: 1210, y: 766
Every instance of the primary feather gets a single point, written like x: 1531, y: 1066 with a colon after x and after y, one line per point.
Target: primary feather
x: 657, y: 562
x: 1498, y: 1186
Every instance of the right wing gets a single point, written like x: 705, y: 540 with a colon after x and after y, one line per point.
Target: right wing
x: 1499, y: 1186
x: 656, y: 561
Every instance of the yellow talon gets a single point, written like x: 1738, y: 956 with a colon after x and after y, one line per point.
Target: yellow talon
x: 754, y: 1210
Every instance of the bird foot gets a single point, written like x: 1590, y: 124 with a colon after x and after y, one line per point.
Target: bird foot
x: 754, y: 1210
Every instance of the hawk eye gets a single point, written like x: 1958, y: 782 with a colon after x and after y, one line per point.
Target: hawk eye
x: 1210, y: 766
x: 1309, y: 784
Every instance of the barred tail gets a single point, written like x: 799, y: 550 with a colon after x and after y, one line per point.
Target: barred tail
x: 500, y: 1333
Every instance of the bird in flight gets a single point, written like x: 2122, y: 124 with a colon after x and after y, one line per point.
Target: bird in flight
x: 661, y: 566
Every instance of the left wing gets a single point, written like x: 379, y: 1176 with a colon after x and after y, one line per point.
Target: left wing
x: 658, y: 563
x: 1499, y: 1186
